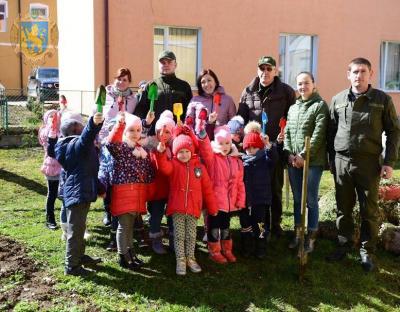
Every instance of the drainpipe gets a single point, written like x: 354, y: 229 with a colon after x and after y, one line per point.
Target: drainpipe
x: 107, y: 43
x: 21, y: 81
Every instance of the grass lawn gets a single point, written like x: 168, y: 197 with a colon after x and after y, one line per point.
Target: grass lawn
x: 248, y: 285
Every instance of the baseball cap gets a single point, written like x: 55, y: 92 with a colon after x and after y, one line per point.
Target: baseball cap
x: 166, y: 54
x: 266, y: 60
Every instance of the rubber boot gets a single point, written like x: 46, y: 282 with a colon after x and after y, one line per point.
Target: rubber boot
x: 215, y: 252
x: 310, y: 241
x: 226, y: 245
x: 296, y: 239
x: 246, y: 243
x: 64, y: 229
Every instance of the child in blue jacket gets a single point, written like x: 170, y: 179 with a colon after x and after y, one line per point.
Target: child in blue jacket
x: 77, y: 155
x: 258, y: 163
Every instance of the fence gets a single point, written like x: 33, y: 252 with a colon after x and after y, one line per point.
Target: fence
x: 20, y: 110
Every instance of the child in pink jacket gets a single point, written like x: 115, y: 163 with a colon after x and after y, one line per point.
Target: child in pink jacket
x: 225, y: 168
x: 50, y: 167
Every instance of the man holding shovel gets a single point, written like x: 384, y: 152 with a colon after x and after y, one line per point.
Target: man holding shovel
x: 164, y: 91
x: 266, y: 93
x: 358, y: 117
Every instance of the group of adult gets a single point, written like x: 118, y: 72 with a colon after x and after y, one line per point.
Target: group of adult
x: 349, y: 132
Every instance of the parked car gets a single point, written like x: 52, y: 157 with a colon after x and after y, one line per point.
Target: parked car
x: 43, y: 83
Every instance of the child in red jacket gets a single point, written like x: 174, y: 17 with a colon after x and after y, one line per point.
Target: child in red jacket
x: 225, y: 167
x: 190, y: 185
x: 132, y: 172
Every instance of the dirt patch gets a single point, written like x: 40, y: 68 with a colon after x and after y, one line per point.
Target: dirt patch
x: 21, y: 279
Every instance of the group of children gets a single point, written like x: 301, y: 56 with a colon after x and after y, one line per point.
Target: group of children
x: 178, y: 166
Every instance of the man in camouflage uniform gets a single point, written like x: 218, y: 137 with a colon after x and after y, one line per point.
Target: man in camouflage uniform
x: 358, y: 117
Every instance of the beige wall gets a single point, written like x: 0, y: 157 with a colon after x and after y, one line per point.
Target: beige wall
x: 9, y: 61
x: 236, y: 32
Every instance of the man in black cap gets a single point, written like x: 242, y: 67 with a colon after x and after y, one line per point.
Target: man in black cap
x: 170, y: 90
x: 266, y: 93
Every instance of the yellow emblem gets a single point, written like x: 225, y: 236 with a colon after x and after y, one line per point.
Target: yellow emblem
x: 34, y: 38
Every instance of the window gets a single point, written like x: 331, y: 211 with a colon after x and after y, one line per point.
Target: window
x: 3, y: 15
x: 390, y: 66
x: 39, y: 10
x: 184, y: 43
x: 296, y: 53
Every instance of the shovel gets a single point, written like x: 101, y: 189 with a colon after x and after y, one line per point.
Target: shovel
x: 100, y: 98
x: 178, y: 111
x: 282, y: 125
x: 152, y: 95
x: 264, y: 120
x: 302, y: 254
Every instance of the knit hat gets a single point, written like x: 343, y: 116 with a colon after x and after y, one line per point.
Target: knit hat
x: 68, y: 122
x: 182, y: 141
x: 132, y: 120
x: 184, y: 138
x: 252, y: 136
x: 166, y: 120
x: 236, y: 125
x: 222, y: 133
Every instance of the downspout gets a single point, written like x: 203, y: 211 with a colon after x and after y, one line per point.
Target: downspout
x: 21, y: 81
x: 107, y: 43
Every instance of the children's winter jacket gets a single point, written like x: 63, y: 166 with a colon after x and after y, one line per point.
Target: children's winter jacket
x: 226, y: 173
x: 189, y: 186
x: 78, y: 156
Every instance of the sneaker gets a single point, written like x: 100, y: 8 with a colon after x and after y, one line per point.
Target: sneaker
x: 77, y: 271
x: 180, y: 266
x: 112, y: 246
x: 107, y: 219
x: 158, y: 246
x: 87, y: 260
x: 366, y: 261
x: 193, y: 265
x: 87, y: 235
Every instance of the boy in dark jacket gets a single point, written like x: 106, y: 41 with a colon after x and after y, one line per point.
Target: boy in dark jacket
x: 258, y: 166
x: 77, y: 154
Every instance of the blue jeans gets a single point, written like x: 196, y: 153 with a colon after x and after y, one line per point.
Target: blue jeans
x: 296, y: 178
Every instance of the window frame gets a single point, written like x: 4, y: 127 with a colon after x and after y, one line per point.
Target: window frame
x: 383, y: 66
x: 314, y: 55
x: 38, y: 5
x: 166, y: 30
x: 5, y: 14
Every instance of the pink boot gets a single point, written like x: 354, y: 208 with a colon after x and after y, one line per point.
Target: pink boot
x: 215, y: 252
x: 226, y: 245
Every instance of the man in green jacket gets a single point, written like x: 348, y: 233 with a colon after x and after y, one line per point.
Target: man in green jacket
x: 358, y: 117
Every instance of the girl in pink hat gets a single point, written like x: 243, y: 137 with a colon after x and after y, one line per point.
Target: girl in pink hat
x: 225, y: 168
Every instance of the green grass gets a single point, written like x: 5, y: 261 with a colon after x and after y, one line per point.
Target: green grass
x: 248, y: 285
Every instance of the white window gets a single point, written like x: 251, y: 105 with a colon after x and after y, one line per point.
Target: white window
x: 297, y: 53
x: 39, y: 10
x: 3, y: 15
x: 184, y: 43
x: 390, y: 66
